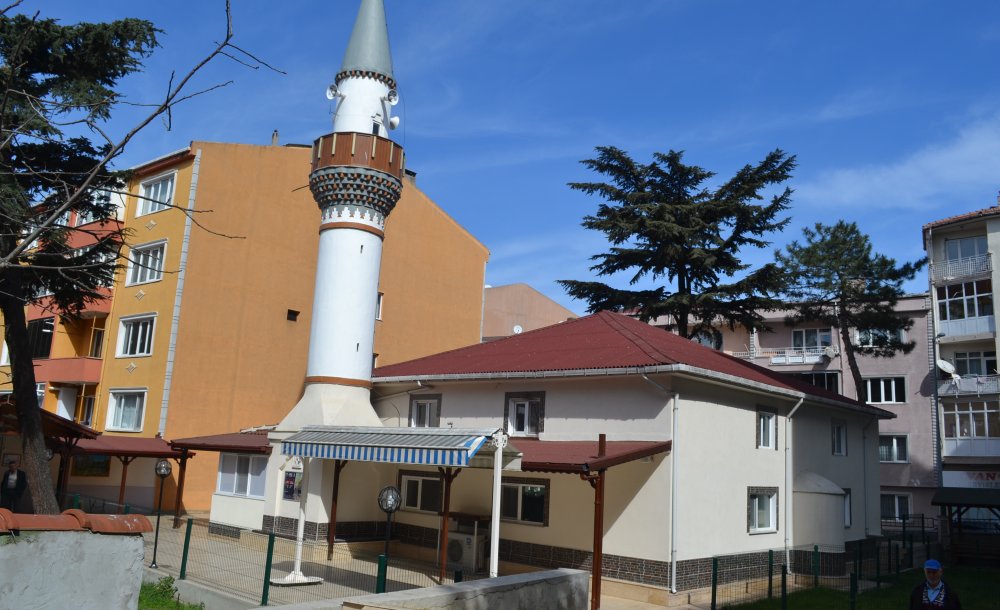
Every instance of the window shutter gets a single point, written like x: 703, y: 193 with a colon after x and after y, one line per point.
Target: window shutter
x: 436, y: 423
x: 541, y: 416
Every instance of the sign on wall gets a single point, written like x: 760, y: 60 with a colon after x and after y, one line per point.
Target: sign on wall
x: 984, y: 479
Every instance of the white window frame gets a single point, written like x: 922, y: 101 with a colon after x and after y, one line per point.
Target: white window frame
x: 801, y: 335
x: 864, y: 336
x: 754, y: 498
x: 5, y: 357
x: 124, y: 333
x: 971, y: 419
x: 838, y: 437
x: 966, y: 361
x: 142, y: 270
x: 520, y: 485
x: 113, y: 406
x: 888, y: 390
x: 897, y: 516
x: 145, y: 202
x: 378, y: 305
x: 767, y: 426
x: 87, y: 410
x: 419, y: 479
x: 894, y: 457
x: 979, y: 244
x: 532, y: 402
x: 40, y: 394
x: 972, y: 302
x: 254, y: 476
x: 425, y: 411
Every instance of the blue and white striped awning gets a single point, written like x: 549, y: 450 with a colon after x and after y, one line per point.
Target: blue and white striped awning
x: 425, y: 446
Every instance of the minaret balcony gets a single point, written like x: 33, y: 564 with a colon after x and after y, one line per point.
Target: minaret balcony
x: 358, y: 150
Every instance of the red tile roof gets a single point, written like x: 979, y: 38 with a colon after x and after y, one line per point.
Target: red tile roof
x: 241, y: 442
x: 74, y: 520
x: 581, y: 456
x: 993, y: 211
x: 601, y: 341
x: 127, y: 446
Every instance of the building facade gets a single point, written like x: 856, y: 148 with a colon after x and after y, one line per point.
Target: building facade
x: 967, y: 387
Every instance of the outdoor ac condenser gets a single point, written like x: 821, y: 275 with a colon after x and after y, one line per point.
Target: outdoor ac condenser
x: 466, y: 552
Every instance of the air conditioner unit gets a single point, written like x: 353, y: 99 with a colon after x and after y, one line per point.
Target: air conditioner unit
x: 466, y: 552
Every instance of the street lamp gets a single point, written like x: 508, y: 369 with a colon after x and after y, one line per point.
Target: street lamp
x: 163, y: 471
x: 388, y: 501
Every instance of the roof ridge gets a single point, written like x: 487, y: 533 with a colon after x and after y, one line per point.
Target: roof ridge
x: 612, y: 320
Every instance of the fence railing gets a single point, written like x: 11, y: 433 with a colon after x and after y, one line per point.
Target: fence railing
x: 948, y: 270
x: 102, y: 506
x: 246, y: 564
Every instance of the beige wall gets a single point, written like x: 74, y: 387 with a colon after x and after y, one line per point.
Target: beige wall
x: 519, y: 305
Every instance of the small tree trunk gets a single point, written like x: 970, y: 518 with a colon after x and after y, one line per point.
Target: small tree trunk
x: 852, y: 361
x: 29, y: 416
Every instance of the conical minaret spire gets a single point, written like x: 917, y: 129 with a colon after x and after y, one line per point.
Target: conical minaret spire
x: 356, y: 181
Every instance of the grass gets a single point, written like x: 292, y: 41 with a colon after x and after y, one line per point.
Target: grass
x: 162, y: 595
x: 976, y: 587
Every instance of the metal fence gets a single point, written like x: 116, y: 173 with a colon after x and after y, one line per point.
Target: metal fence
x: 101, y: 506
x: 738, y: 580
x: 245, y: 563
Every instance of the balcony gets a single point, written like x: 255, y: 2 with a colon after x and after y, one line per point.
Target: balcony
x: 961, y: 269
x: 972, y: 385
x: 789, y: 355
x: 76, y: 371
x: 983, y: 325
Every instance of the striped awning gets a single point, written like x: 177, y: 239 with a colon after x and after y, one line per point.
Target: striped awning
x: 424, y: 446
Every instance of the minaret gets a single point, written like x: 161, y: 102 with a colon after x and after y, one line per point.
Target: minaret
x: 356, y: 180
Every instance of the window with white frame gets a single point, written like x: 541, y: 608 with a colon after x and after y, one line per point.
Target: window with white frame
x: 879, y: 336
x: 524, y: 413
x: 378, y: 306
x: 40, y: 333
x: 145, y: 264
x: 965, y: 300
x: 96, y: 343
x: 40, y: 394
x: 838, y: 436
x: 762, y: 509
x: 125, y: 410
x: 425, y: 411
x: 525, y: 500
x: 242, y: 475
x: 971, y: 419
x: 895, y: 507
x: 5, y: 357
x: 965, y: 247
x: 975, y: 364
x: 767, y: 430
x: 87, y: 411
x: 135, y: 336
x: 156, y: 195
x: 811, y: 337
x: 848, y: 513
x: 421, y: 491
x: 892, y: 448
x: 828, y: 380
x: 880, y: 390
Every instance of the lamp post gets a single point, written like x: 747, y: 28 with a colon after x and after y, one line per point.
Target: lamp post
x: 163, y: 471
x: 388, y: 501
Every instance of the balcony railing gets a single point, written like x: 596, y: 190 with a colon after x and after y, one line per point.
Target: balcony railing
x: 975, y: 384
x: 788, y: 355
x: 968, y: 326
x: 946, y: 271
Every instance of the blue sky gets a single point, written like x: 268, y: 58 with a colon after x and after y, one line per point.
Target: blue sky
x: 892, y: 107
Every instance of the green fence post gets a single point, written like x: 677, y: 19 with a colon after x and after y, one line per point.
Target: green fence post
x: 267, y: 567
x: 878, y: 566
x: 857, y: 559
x: 784, y: 587
x: 770, y: 574
x: 815, y: 562
x: 458, y: 576
x: 854, y: 591
x: 383, y: 564
x: 899, y: 551
x: 127, y: 510
x: 76, y: 500
x: 184, y: 555
x: 715, y: 580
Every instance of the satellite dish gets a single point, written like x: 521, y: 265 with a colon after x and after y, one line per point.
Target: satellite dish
x: 332, y: 92
x: 517, y: 329
x: 392, y: 97
x: 945, y: 366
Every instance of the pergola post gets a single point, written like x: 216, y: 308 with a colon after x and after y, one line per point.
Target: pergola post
x: 596, y: 480
x: 180, y: 488
x: 331, y: 528
x: 448, y: 474
x: 125, y: 460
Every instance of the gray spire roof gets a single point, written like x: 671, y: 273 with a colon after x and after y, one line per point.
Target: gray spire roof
x: 369, y: 45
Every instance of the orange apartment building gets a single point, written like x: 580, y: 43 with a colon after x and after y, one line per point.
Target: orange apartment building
x: 208, y: 328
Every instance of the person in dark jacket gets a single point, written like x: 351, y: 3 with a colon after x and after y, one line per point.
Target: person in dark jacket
x: 14, y: 483
x: 934, y: 593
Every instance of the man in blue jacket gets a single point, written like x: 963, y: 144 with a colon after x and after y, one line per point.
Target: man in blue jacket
x: 934, y: 593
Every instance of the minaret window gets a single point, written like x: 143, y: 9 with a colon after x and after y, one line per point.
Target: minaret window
x: 375, y: 129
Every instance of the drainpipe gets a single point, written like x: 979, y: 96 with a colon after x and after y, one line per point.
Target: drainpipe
x: 864, y: 466
x: 789, y: 482
x: 675, y: 400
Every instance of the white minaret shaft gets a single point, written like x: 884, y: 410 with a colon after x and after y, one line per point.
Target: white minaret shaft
x: 356, y: 180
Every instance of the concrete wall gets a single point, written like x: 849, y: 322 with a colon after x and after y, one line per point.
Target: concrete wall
x: 60, y: 569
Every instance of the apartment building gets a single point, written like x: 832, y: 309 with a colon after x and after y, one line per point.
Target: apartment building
x: 208, y: 327
x: 902, y: 385
x: 962, y: 276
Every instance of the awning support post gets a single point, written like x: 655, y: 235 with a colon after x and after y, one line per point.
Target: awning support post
x: 448, y: 475
x: 121, y: 486
x: 500, y: 439
x: 180, y: 488
x: 331, y: 528
x: 596, y: 480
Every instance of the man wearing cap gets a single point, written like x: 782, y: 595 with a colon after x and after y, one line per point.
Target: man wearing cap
x: 933, y: 593
x: 12, y: 487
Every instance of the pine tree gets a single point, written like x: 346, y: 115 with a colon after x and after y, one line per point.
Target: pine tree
x: 837, y: 280
x: 665, y: 225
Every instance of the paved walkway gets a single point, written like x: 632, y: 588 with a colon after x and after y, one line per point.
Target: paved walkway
x: 233, y: 563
